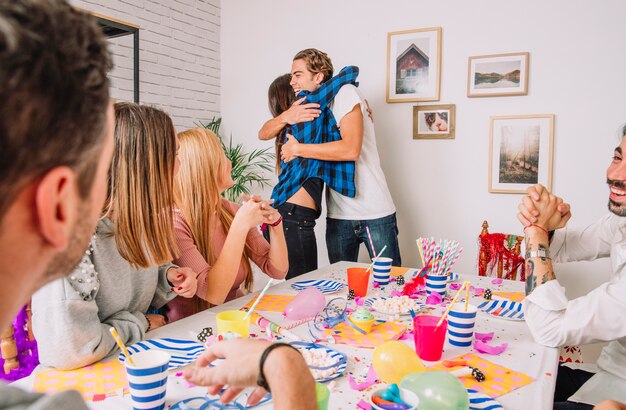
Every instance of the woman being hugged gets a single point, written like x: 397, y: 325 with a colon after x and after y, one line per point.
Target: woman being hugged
x: 217, y: 238
x: 127, y: 268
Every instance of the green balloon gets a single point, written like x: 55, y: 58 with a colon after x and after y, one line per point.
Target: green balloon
x: 437, y: 390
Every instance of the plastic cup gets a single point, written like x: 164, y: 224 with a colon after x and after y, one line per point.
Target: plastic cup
x: 461, y: 324
x: 429, y: 338
x: 147, y: 379
x: 322, y: 394
x: 436, y: 284
x: 231, y: 324
x: 358, y: 281
x: 382, y: 270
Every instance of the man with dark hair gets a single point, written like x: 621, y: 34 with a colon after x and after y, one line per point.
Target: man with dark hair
x: 597, y: 316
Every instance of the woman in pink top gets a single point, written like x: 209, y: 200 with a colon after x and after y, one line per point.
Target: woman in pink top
x: 217, y: 238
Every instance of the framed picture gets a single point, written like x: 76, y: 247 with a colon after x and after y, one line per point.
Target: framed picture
x: 414, y: 65
x: 433, y: 121
x: 520, y: 152
x: 498, y: 75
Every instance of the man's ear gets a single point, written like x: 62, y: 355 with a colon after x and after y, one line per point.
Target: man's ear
x: 318, y: 78
x: 57, y: 201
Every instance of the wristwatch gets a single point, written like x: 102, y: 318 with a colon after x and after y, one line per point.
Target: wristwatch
x: 540, y: 253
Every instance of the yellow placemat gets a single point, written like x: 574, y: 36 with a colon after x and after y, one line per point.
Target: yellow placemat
x: 514, y: 296
x: 95, y: 382
x: 499, y: 379
x: 398, y: 271
x: 381, y: 332
x: 272, y: 303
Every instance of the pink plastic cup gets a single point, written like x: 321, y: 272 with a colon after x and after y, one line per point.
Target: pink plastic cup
x: 428, y: 338
x: 358, y: 280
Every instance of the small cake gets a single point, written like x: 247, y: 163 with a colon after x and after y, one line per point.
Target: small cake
x: 363, y: 319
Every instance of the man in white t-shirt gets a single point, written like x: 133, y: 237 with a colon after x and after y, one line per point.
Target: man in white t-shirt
x: 348, y: 219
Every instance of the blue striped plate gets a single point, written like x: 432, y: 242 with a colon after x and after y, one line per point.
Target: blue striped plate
x: 182, y: 351
x: 325, y: 286
x: 506, y: 309
x: 480, y: 401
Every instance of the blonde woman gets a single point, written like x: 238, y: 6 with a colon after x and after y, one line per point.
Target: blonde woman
x: 127, y: 268
x: 217, y: 238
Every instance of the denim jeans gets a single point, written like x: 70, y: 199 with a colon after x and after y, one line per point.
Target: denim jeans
x: 298, y: 224
x: 568, y: 381
x: 343, y: 238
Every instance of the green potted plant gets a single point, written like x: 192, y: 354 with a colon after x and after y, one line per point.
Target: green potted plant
x: 249, y: 168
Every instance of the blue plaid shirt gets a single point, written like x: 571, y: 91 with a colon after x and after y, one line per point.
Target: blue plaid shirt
x: 338, y: 175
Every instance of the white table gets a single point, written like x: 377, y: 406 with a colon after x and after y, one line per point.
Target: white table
x: 522, y: 354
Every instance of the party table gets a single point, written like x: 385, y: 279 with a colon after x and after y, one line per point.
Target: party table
x: 522, y: 357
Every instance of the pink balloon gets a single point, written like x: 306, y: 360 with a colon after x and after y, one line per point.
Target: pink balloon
x: 307, y: 303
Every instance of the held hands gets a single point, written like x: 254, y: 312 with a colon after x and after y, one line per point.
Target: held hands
x: 289, y: 150
x: 299, y: 112
x: 270, y: 215
x: 183, y: 280
x: 544, y: 209
x: 239, y: 369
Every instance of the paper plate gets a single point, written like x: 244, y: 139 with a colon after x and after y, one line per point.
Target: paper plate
x: 339, y: 359
x: 325, y: 286
x: 480, y: 401
x: 370, y: 303
x: 212, y: 402
x: 505, y: 309
x: 182, y: 351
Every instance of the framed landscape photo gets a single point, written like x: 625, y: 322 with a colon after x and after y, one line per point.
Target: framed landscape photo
x: 434, y: 121
x: 414, y: 65
x: 498, y: 75
x: 520, y: 152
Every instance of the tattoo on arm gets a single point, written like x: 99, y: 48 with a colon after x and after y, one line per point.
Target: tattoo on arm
x: 531, y: 279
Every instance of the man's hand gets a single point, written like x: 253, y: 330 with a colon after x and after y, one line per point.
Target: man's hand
x: 289, y: 150
x: 530, y: 209
x: 183, y: 280
x: 299, y: 112
x: 238, y: 370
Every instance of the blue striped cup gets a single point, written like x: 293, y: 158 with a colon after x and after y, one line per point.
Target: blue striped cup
x: 436, y: 284
x: 382, y: 269
x: 147, y: 379
x: 461, y: 324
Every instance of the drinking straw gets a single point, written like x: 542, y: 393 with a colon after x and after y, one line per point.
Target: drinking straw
x: 258, y: 299
x: 467, y: 289
x: 367, y: 228
x: 121, y: 344
x: 419, y: 248
x: 376, y: 258
x: 445, y: 314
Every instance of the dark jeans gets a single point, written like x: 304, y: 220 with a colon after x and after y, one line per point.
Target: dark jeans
x: 343, y: 238
x: 568, y: 381
x: 298, y: 224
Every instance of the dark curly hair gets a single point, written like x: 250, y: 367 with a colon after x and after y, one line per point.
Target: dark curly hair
x: 54, y: 93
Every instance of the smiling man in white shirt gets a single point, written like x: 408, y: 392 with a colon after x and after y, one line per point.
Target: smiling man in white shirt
x: 599, y: 316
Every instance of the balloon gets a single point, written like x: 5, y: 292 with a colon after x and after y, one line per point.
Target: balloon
x: 393, y: 360
x: 307, y: 303
x: 437, y: 390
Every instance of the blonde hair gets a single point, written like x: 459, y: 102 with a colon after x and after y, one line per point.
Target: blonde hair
x: 141, y: 194
x: 197, y: 192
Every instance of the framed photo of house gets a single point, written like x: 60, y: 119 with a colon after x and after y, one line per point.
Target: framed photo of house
x: 498, y: 75
x: 520, y: 152
x: 414, y: 65
x: 434, y: 121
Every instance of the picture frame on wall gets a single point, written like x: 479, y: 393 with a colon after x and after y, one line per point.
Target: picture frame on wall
x: 498, y: 75
x: 414, y: 65
x: 520, y: 152
x: 434, y: 121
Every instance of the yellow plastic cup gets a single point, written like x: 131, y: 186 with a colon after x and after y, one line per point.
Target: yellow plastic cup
x: 231, y: 324
x: 322, y: 394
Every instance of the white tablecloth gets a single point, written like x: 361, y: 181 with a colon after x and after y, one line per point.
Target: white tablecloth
x: 522, y: 355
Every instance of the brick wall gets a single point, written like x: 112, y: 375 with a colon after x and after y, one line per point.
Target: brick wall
x: 179, y: 55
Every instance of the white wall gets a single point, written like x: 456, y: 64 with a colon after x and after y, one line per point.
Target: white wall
x: 440, y: 186
x: 178, y: 51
